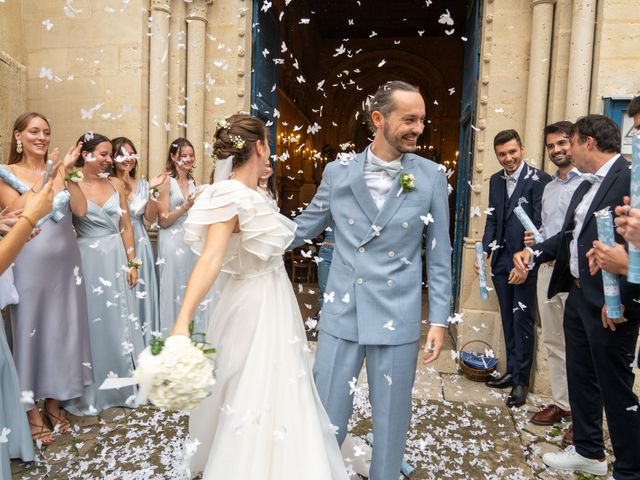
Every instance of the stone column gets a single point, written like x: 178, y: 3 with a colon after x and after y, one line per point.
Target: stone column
x: 177, y: 70
x: 158, y: 91
x: 538, y: 85
x: 196, y: 36
x: 580, y: 58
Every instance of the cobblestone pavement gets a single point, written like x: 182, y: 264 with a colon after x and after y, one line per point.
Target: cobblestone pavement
x: 460, y: 429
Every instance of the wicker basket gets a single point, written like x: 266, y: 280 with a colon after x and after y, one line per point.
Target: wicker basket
x: 475, y: 374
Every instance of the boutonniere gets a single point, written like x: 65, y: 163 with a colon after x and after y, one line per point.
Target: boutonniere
x: 406, y: 183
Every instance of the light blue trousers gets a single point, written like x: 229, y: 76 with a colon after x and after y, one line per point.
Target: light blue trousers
x: 390, y: 371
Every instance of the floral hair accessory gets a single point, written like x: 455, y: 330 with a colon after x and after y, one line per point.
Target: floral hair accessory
x: 223, y: 124
x: 238, y: 142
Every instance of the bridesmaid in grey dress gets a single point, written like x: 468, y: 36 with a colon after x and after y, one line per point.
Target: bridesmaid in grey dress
x: 49, y: 325
x: 106, y: 242
x: 175, y: 258
x: 141, y: 206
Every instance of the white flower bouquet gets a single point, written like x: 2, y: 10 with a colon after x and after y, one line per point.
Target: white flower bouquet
x: 175, y: 373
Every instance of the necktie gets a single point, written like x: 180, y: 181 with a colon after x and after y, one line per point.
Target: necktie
x: 374, y: 164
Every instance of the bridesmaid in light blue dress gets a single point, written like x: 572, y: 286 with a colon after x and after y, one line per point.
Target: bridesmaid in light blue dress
x: 175, y: 259
x: 142, y: 205
x: 12, y: 415
x: 105, y: 236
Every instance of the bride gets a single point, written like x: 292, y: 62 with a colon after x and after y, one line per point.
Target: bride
x: 264, y: 419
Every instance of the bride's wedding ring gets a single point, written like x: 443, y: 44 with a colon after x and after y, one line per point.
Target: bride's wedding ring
x: 625, y: 209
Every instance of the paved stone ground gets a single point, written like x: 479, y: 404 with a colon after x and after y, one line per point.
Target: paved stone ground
x: 460, y: 430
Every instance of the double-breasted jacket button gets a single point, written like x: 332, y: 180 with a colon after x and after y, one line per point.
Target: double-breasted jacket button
x: 351, y: 221
x: 405, y: 224
x: 392, y: 253
x: 389, y: 283
x: 361, y: 249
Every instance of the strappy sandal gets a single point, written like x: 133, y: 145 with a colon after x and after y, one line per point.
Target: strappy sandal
x: 43, y: 435
x: 60, y: 421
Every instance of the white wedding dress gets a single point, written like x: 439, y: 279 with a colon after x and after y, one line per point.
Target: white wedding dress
x: 264, y: 419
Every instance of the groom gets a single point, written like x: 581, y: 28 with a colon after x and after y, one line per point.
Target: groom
x: 373, y: 308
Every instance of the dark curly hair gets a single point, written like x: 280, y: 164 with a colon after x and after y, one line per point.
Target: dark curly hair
x: 602, y: 129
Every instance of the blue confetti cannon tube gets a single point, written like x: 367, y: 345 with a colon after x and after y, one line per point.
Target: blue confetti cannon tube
x: 484, y: 291
x: 405, y: 468
x: 633, y: 274
x: 609, y: 280
x: 527, y: 223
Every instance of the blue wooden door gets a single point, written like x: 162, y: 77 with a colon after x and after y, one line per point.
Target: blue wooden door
x: 465, y: 158
x: 264, y: 74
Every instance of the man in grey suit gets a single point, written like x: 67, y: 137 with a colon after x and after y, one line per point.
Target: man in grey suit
x: 382, y: 202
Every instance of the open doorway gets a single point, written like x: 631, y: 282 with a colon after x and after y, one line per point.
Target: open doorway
x: 316, y: 61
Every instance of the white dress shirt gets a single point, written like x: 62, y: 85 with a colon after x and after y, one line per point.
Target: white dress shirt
x: 555, y: 201
x: 581, y: 212
x: 379, y: 183
x: 512, y: 180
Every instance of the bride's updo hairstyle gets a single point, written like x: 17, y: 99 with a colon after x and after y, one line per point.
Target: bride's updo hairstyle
x: 237, y: 136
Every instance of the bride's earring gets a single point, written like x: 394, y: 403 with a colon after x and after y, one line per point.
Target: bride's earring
x: 19, y: 146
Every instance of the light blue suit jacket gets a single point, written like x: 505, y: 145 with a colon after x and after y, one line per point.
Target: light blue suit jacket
x: 375, y: 278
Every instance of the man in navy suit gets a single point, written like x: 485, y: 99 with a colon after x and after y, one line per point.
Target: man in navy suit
x: 518, y: 184
x: 600, y: 350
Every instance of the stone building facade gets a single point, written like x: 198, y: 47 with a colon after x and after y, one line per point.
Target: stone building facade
x: 155, y: 70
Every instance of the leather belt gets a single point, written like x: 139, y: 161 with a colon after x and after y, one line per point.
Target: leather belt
x: 576, y: 282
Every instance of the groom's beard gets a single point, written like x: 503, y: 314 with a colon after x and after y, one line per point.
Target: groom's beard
x: 398, y: 143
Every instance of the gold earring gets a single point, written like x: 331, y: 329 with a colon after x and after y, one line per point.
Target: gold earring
x: 18, y: 146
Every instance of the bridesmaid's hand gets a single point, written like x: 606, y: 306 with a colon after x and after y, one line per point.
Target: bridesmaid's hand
x: 70, y: 158
x: 132, y: 277
x: 8, y: 220
x: 158, y: 180
x: 191, y: 200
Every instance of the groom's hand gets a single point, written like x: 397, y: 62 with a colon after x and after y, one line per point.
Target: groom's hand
x: 433, y: 347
